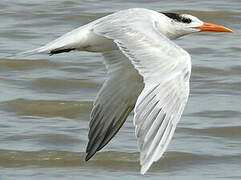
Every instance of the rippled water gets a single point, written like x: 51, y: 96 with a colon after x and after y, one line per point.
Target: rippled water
x: 45, y: 101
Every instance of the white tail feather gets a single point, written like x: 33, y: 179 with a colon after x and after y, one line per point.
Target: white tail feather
x: 41, y: 50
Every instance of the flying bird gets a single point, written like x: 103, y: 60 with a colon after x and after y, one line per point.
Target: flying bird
x: 147, y: 72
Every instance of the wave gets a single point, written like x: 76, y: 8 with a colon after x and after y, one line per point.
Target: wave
x: 63, y: 83
x: 227, y: 131
x: 24, y: 64
x: 105, y: 160
x: 48, y: 108
x: 216, y: 114
x: 208, y: 70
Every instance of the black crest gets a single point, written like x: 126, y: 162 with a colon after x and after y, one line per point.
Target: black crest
x: 178, y: 17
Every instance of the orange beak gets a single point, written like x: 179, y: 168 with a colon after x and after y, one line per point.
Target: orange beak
x: 213, y: 27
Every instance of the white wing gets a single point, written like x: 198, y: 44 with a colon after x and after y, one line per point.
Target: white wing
x: 166, y: 70
x: 114, y: 102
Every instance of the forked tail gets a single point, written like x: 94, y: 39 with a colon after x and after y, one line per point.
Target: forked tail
x: 41, y: 50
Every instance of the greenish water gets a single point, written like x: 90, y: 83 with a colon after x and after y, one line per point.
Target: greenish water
x: 45, y: 101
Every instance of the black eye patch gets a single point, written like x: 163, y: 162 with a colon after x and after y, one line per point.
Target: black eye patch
x: 178, y: 17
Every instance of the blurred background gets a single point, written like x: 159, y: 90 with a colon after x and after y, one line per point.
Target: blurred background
x: 45, y: 101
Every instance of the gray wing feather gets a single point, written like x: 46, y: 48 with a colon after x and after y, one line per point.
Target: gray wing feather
x: 114, y: 102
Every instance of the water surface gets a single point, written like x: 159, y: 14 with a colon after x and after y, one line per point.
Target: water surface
x: 45, y: 101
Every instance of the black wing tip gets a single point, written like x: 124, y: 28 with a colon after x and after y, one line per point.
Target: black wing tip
x: 59, y: 50
x: 96, y: 144
x: 90, y: 151
x: 89, y: 155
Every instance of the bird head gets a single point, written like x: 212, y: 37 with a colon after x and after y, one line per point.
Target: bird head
x: 182, y: 24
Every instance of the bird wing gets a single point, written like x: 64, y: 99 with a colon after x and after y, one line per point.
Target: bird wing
x: 114, y: 102
x: 82, y: 38
x: 166, y: 70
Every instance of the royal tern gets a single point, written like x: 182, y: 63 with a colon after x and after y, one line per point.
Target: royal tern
x: 146, y: 71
